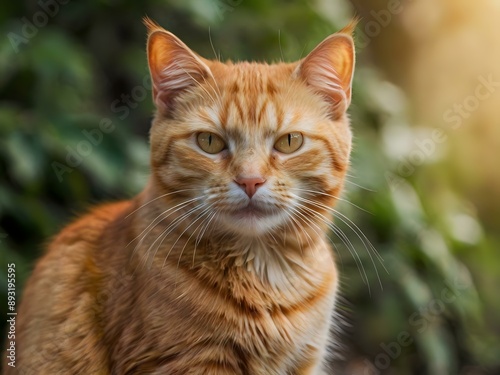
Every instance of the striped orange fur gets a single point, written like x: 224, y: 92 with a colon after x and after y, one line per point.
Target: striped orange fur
x: 221, y: 265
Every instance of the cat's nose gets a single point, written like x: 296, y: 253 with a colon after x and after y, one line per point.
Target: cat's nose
x: 250, y: 184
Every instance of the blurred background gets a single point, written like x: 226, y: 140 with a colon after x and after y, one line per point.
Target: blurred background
x: 425, y: 177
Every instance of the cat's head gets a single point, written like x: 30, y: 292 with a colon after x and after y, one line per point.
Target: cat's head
x: 255, y: 146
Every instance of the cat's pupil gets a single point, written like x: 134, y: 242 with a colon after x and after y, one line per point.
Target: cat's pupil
x: 289, y: 139
x: 210, y: 140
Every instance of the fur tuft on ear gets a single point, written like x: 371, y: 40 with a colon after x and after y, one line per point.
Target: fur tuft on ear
x: 151, y: 25
x: 350, y: 27
x: 329, y: 69
x: 173, y: 66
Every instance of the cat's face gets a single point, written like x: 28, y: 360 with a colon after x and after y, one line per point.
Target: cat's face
x: 255, y: 147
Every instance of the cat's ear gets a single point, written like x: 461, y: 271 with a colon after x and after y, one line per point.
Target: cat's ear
x: 173, y: 66
x: 329, y: 69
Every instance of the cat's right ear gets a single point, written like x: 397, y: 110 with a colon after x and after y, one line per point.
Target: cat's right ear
x: 173, y: 66
x: 329, y: 69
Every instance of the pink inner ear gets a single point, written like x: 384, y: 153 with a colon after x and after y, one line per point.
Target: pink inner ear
x: 323, y: 78
x: 174, y: 68
x: 175, y: 78
x: 329, y: 69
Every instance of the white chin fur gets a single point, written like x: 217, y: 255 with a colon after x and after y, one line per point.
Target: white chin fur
x: 252, y: 225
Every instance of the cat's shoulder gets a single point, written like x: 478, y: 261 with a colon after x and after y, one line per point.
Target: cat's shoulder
x: 89, y: 226
x: 72, y: 250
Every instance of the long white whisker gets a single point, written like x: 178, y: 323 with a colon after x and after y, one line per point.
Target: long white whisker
x: 361, y: 187
x: 171, y: 227
x: 367, y: 244
x: 308, y: 222
x: 200, y: 235
x: 205, y: 211
x: 154, y: 199
x: 310, y: 241
x: 333, y: 196
x: 211, y: 43
x: 161, y: 217
x: 312, y: 223
x: 346, y: 241
x: 346, y: 221
x: 180, y: 205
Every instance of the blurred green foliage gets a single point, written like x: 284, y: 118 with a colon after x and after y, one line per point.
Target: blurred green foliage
x: 418, y: 311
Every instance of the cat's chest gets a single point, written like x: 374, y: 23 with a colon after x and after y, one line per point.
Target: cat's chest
x: 229, y: 312
x: 272, y: 321
x: 263, y: 339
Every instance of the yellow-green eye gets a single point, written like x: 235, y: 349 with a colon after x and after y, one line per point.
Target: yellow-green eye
x: 210, y: 142
x: 289, y: 143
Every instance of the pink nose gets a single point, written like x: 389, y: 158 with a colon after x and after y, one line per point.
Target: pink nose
x: 250, y: 184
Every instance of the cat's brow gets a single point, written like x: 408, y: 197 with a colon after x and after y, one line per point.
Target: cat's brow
x: 254, y: 133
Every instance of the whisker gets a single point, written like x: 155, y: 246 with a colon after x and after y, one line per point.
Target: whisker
x: 308, y: 237
x: 206, y: 211
x: 375, y: 251
x: 156, y: 222
x: 154, y: 199
x: 359, y: 233
x: 295, y: 224
x: 212, y: 44
x: 364, y: 240
x: 200, y: 235
x: 170, y: 228
x: 357, y: 185
x: 333, y: 196
x: 338, y: 229
x: 320, y: 231
x: 347, y: 243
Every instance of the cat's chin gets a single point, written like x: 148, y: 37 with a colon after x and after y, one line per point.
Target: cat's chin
x: 252, y: 220
x: 251, y: 212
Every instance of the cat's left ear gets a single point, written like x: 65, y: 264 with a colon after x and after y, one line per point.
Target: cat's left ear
x: 329, y: 69
x: 174, y: 67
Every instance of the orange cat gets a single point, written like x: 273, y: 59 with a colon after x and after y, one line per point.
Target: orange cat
x: 221, y: 265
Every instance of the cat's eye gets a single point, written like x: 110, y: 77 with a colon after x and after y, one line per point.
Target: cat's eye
x: 289, y: 143
x: 210, y: 142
